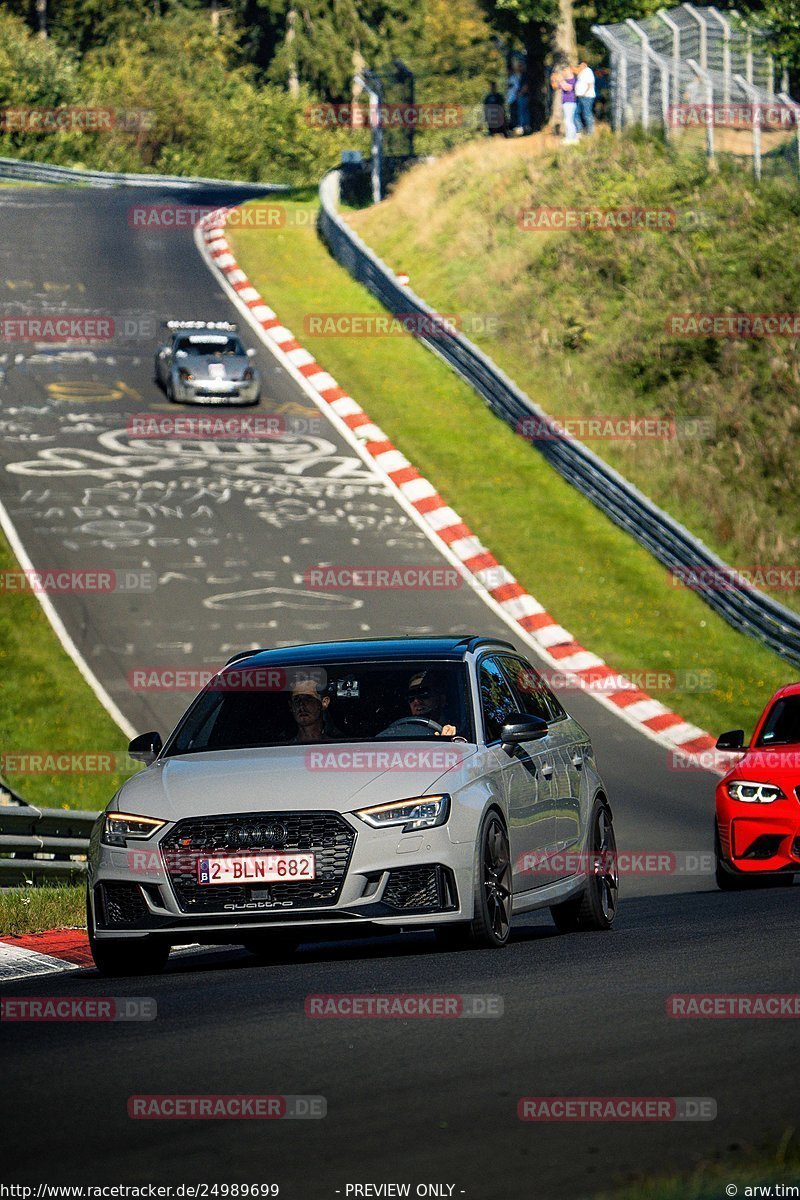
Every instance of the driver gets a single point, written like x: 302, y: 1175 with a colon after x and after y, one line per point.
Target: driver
x: 426, y: 700
x: 308, y: 709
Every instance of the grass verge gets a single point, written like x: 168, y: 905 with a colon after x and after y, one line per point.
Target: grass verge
x: 580, y: 318
x: 36, y: 909
x: 746, y: 1172
x: 598, y: 582
x: 47, y: 707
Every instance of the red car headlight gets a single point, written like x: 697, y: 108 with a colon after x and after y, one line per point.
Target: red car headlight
x: 749, y: 792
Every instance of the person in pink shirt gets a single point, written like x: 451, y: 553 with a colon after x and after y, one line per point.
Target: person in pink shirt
x: 566, y: 83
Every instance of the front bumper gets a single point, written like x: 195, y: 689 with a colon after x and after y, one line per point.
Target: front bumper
x: 216, y: 391
x: 365, y: 878
x: 766, y: 842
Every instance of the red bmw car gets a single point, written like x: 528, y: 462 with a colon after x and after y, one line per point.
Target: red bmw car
x: 757, y: 834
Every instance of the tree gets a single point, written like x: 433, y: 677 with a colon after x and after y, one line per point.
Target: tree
x: 541, y: 26
x: 312, y: 42
x: 780, y: 20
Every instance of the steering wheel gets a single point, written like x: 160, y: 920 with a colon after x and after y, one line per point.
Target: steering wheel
x: 404, y: 722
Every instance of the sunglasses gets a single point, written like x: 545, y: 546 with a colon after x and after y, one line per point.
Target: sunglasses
x: 420, y: 694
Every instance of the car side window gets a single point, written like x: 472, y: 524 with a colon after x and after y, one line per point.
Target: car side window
x: 498, y: 703
x: 532, y: 692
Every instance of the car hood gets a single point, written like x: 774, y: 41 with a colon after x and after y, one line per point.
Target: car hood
x: 339, y: 777
x: 778, y: 764
x: 199, y: 364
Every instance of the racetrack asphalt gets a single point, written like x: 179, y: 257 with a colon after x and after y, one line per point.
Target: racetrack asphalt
x: 229, y: 531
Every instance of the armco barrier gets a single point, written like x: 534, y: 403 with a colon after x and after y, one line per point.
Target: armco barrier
x: 742, y: 606
x: 26, y: 830
x: 34, y: 172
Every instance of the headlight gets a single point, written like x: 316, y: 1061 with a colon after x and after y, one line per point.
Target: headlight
x: 754, y: 793
x: 423, y: 812
x: 248, y: 374
x: 184, y: 374
x: 120, y: 828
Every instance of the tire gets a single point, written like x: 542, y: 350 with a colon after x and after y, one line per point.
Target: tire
x: 271, y: 947
x: 595, y: 907
x: 490, y: 926
x: 124, y: 956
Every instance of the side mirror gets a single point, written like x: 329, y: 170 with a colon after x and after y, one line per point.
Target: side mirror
x: 145, y: 748
x: 732, y: 740
x: 251, y: 352
x: 524, y: 728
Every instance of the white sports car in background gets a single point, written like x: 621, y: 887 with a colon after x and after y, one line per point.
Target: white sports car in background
x: 205, y: 362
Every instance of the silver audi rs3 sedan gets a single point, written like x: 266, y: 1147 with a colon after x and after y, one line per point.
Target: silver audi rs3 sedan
x: 377, y: 785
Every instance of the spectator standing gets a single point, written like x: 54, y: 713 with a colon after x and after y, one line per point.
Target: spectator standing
x: 515, y: 82
x: 564, y: 82
x: 524, y: 108
x: 585, y: 93
x: 494, y: 112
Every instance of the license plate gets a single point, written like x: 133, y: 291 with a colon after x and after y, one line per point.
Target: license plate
x: 256, y: 868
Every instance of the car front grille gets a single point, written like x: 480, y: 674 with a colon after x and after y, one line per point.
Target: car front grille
x: 420, y: 889
x: 325, y: 834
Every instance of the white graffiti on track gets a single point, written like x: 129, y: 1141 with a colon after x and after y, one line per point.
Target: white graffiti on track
x: 259, y: 599
x: 286, y: 503
x: 122, y: 456
x: 118, y: 531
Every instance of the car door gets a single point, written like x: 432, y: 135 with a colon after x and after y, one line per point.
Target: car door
x: 576, y: 750
x: 562, y: 763
x: 527, y: 774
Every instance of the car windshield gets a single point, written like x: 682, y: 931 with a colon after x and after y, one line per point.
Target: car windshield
x: 251, y: 706
x: 782, y: 726
x: 197, y: 344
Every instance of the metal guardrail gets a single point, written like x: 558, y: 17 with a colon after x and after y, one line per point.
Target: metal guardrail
x: 742, y: 606
x: 27, y: 831
x: 34, y: 172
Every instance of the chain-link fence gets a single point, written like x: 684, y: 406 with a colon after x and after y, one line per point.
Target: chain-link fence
x: 703, y: 76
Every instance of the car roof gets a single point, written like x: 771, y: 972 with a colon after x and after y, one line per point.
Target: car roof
x: 369, y: 649
x: 789, y: 689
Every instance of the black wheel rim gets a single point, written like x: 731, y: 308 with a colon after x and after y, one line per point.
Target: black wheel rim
x: 606, y: 873
x: 497, y: 879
